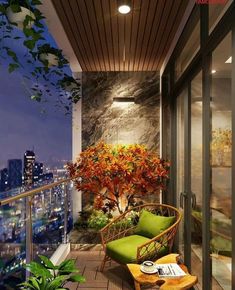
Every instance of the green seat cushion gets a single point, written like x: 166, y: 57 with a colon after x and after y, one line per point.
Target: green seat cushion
x: 150, y: 225
x: 124, y: 250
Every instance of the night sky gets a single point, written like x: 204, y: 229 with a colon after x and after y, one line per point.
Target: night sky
x: 23, y: 126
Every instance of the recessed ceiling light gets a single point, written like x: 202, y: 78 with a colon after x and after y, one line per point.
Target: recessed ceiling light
x: 229, y: 60
x: 124, y: 6
x: 213, y: 71
x: 124, y: 9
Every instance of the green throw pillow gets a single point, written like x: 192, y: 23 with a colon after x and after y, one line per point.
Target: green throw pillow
x: 150, y: 225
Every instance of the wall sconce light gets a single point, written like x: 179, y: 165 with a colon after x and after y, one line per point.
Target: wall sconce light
x: 124, y: 6
x: 124, y: 99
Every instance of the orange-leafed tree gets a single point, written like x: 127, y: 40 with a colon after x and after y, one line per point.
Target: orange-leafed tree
x: 114, y: 173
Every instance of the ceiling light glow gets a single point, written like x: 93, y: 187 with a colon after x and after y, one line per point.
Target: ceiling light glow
x: 124, y: 9
x: 213, y: 71
x: 229, y: 60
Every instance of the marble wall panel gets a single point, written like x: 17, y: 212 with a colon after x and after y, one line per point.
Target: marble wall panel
x: 121, y: 123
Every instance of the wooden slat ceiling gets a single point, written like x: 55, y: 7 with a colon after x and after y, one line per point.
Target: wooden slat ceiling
x: 105, y: 40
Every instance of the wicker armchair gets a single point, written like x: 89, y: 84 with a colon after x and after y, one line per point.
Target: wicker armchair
x: 125, y: 225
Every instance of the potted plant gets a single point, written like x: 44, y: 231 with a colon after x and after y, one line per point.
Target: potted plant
x: 20, y: 11
x: 116, y: 174
x: 51, y: 56
x: 46, y: 275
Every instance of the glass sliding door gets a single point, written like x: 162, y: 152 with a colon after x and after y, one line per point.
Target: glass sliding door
x: 221, y: 170
x: 180, y: 160
x: 196, y: 177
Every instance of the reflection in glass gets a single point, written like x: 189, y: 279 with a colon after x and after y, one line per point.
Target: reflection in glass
x: 196, y: 176
x: 221, y: 245
x: 189, y: 51
x: 216, y: 11
x: 180, y: 161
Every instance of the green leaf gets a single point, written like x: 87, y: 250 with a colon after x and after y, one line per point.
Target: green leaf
x: 28, y: 31
x: 15, y: 8
x: 38, y: 24
x: 36, y: 98
x: 68, y: 266
x: 47, y: 262
x: 34, y: 282
x: 38, y: 270
x: 30, y: 44
x: 27, y: 285
x: 77, y: 278
x: 57, y: 282
x: 36, y: 2
x: 12, y: 67
x: 2, y: 9
x: 12, y: 54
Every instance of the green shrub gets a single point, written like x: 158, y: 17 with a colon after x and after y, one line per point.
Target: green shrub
x: 98, y: 219
x: 82, y: 221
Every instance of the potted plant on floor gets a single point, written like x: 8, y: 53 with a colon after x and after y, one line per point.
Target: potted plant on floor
x: 46, y: 275
x: 115, y: 174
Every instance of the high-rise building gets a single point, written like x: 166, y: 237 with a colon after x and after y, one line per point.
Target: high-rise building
x: 38, y: 172
x: 15, y: 173
x: 4, y: 186
x: 29, y: 162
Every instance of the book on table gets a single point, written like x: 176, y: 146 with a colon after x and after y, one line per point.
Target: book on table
x: 170, y: 270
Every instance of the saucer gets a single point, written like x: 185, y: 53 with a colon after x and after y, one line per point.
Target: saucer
x: 148, y: 272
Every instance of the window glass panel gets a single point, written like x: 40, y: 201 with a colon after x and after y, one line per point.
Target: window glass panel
x: 189, y: 51
x: 221, y: 149
x: 216, y: 11
x: 180, y: 162
x: 196, y: 176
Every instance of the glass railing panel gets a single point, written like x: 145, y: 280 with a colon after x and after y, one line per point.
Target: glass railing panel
x: 12, y: 243
x: 51, y: 219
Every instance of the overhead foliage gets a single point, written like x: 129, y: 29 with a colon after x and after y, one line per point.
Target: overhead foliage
x: 35, y: 64
x: 114, y: 173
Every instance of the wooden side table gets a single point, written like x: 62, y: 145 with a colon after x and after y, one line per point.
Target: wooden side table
x: 181, y: 283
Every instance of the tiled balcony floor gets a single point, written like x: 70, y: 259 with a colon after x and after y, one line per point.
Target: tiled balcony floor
x: 114, y: 277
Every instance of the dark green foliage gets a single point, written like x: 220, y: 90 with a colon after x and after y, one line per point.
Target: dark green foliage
x: 35, y: 44
x: 47, y: 276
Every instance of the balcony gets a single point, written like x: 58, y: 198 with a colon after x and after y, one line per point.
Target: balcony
x: 161, y: 75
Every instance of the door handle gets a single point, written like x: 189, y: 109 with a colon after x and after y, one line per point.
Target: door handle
x: 183, y: 195
x: 194, y: 201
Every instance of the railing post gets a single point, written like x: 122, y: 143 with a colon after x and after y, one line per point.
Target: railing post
x: 66, y: 185
x: 29, y: 232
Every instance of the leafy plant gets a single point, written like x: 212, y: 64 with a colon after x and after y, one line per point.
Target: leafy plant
x: 46, y: 49
x: 115, y: 174
x: 98, y: 220
x: 82, y: 221
x: 47, y: 276
x: 45, y: 79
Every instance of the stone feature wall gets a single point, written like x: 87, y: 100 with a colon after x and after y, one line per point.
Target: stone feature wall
x: 121, y: 123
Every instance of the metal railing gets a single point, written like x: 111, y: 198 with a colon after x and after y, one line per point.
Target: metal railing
x: 29, y: 195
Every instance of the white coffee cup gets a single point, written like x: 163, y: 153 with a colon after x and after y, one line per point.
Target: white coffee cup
x: 148, y: 266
